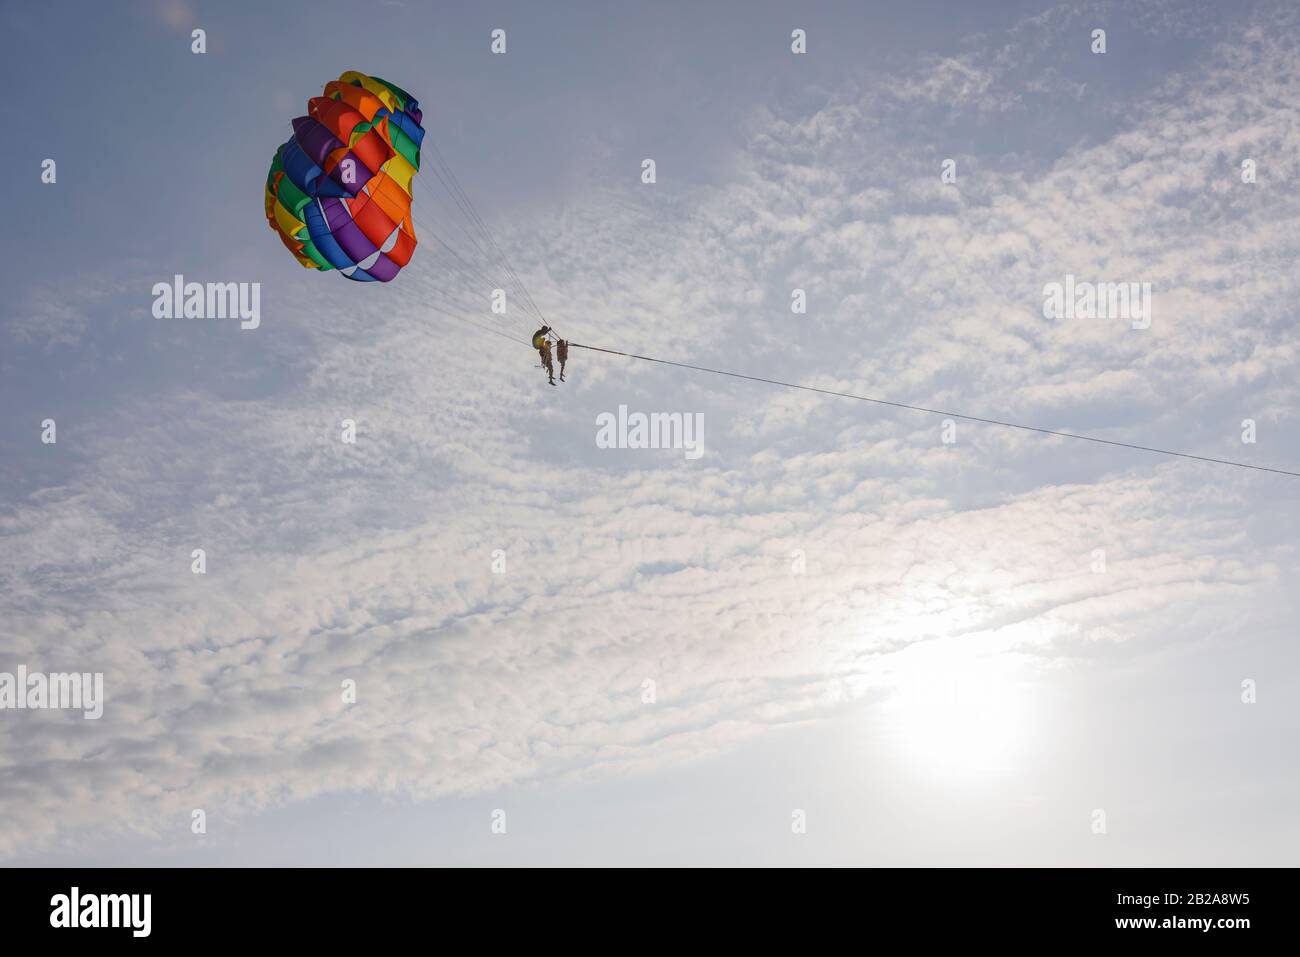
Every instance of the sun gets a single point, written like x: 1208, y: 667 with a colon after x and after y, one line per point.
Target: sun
x: 956, y: 716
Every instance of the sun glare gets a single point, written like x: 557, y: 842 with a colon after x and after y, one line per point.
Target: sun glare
x: 957, y: 719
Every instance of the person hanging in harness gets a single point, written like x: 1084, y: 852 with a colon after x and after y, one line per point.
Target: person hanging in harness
x: 562, y: 353
x: 546, y: 360
x: 543, y: 347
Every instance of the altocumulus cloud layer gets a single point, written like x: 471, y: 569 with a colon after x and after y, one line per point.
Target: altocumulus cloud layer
x: 373, y: 562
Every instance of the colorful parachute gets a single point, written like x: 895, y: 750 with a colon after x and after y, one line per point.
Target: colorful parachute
x: 339, y: 190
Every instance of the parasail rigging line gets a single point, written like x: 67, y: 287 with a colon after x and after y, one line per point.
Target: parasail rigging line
x: 478, y: 325
x: 481, y: 272
x: 472, y: 215
x: 465, y: 271
x: 953, y: 415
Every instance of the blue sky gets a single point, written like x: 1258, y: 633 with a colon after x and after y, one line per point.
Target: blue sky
x: 948, y: 679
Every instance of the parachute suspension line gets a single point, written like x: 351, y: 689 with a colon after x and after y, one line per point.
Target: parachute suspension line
x: 465, y: 319
x: 475, y: 218
x: 952, y: 415
x: 450, y: 286
x: 448, y: 178
x: 457, y: 211
x: 446, y: 292
x: 474, y: 274
x: 450, y: 299
x: 484, y: 255
x: 465, y: 270
x: 476, y: 271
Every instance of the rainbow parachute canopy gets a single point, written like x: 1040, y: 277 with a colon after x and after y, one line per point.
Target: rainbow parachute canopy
x: 339, y: 190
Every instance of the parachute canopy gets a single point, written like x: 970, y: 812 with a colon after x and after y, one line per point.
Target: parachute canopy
x: 339, y: 190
